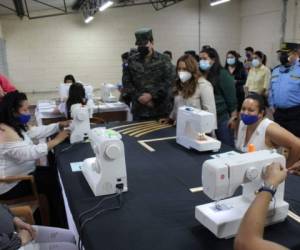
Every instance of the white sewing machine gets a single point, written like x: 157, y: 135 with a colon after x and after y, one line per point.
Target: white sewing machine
x: 64, y: 91
x: 88, y: 91
x: 220, y: 179
x: 106, y: 173
x: 191, y: 126
x: 107, y: 92
x: 80, y: 125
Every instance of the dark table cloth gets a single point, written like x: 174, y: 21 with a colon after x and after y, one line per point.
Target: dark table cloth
x: 158, y: 210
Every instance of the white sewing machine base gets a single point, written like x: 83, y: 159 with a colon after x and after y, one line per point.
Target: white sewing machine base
x: 225, y: 222
x: 96, y: 182
x: 210, y: 144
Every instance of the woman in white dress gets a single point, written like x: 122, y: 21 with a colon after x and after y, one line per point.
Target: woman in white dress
x: 263, y: 133
x: 18, y: 153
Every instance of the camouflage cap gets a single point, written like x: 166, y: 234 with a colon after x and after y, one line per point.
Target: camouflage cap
x: 143, y: 36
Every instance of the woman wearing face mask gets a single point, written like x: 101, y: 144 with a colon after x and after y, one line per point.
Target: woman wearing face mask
x: 224, y: 93
x: 259, y: 75
x: 17, y: 151
x: 237, y: 70
x: 191, y: 89
x: 263, y: 133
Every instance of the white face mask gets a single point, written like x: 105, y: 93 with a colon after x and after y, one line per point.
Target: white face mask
x: 255, y: 63
x: 184, y: 76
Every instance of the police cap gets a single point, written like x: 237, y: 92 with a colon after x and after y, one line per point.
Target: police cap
x: 288, y: 47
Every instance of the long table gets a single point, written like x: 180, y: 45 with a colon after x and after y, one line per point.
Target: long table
x: 158, y: 210
x: 108, y: 112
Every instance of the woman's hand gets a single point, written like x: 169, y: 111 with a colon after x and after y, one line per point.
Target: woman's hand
x: 164, y: 121
x: 274, y: 174
x: 167, y: 121
x: 25, y: 237
x: 232, y: 123
x: 21, y: 225
x: 295, y: 168
x: 59, y: 138
x: 64, y: 124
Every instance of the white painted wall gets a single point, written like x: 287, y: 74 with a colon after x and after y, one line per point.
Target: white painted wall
x: 293, y: 22
x: 1, y: 35
x: 220, y: 26
x: 40, y: 52
x: 261, y: 27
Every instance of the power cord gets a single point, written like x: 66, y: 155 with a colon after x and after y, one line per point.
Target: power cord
x: 95, y: 207
x: 81, y: 225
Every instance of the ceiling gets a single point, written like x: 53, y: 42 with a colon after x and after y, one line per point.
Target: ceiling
x: 30, y: 8
x: 34, y: 5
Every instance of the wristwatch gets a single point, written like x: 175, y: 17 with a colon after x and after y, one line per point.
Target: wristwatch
x: 268, y: 188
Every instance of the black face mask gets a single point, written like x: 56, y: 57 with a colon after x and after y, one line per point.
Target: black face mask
x: 143, y: 50
x: 283, y: 58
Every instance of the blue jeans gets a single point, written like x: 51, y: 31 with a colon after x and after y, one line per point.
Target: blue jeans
x: 225, y: 134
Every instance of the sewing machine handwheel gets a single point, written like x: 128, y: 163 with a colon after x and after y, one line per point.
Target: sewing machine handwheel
x: 113, y: 152
x: 252, y: 173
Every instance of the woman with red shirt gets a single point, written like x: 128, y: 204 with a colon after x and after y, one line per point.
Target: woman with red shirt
x: 5, y: 86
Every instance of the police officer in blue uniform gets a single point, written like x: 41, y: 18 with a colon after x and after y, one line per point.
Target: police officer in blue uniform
x: 284, y: 92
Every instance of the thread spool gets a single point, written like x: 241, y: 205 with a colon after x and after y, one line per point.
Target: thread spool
x: 251, y: 148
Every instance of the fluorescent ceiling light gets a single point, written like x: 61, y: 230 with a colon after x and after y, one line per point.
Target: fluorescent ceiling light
x: 88, y: 19
x: 217, y: 2
x: 106, y: 5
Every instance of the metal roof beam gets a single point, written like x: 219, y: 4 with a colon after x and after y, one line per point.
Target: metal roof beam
x: 19, y: 8
x: 49, y: 5
x: 6, y: 7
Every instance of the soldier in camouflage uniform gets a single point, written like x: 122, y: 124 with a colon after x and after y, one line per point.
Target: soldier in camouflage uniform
x: 147, y: 80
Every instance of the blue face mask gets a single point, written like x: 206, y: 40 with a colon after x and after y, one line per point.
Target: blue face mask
x: 204, y: 65
x: 249, y: 119
x: 231, y: 61
x: 255, y: 63
x: 24, y: 118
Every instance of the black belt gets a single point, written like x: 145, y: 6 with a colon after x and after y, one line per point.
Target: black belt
x: 291, y: 109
